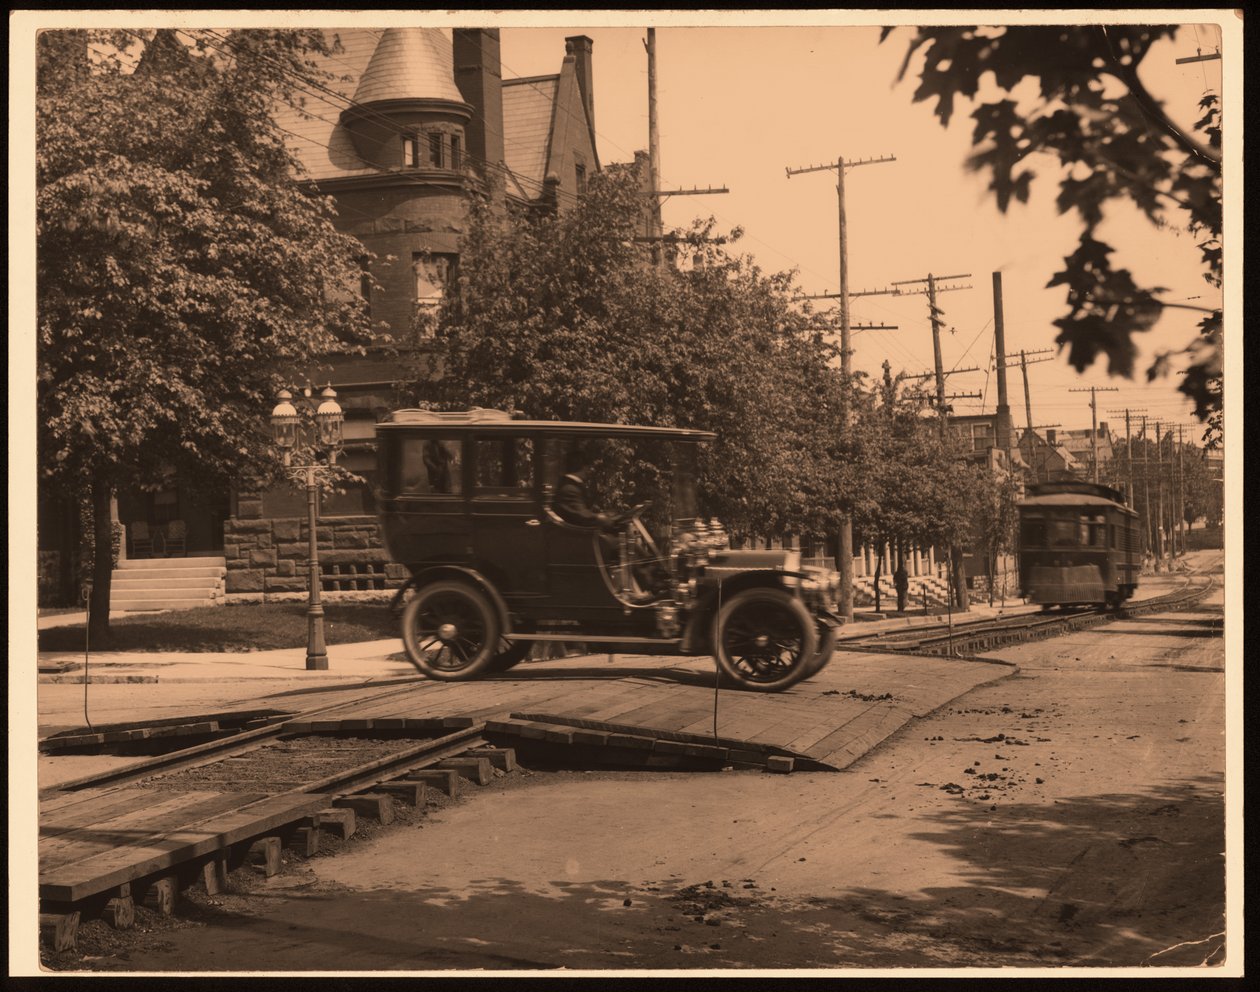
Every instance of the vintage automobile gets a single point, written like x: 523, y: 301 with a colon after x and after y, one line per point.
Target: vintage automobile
x: 466, y: 502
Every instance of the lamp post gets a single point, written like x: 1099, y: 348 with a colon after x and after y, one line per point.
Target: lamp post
x: 320, y: 433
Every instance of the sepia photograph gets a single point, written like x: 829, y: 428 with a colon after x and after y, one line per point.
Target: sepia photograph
x: 628, y: 493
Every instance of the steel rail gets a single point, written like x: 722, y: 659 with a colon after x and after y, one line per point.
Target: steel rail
x: 991, y: 633
x: 210, y: 751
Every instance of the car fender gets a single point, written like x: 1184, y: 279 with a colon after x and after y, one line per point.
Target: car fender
x: 697, y: 634
x: 469, y: 575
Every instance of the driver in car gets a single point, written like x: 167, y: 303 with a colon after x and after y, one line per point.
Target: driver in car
x: 572, y: 506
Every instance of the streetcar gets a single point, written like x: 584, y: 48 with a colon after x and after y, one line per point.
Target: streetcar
x: 1079, y: 545
x: 468, y: 503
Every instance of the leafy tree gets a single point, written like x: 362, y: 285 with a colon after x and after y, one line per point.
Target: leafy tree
x: 915, y: 487
x: 563, y: 316
x: 1114, y: 142
x: 994, y: 520
x: 178, y: 268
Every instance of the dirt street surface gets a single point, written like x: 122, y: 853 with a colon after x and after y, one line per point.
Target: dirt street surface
x: 1069, y: 815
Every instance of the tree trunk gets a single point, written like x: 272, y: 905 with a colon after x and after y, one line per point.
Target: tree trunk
x: 879, y: 565
x: 961, y: 599
x: 103, y: 565
x: 902, y: 580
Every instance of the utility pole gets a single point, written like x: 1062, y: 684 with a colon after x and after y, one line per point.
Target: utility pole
x: 1159, y: 493
x: 1093, y: 406
x: 844, y: 550
x: 1004, y: 431
x: 654, y: 137
x: 1181, y: 488
x: 1032, y: 437
x: 1146, y: 494
x: 656, y: 224
x: 1128, y: 449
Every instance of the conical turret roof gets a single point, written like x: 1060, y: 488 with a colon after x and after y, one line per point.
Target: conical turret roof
x: 410, y: 64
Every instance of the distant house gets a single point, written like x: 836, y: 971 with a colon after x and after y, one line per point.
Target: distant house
x: 1048, y: 459
x: 1081, y: 443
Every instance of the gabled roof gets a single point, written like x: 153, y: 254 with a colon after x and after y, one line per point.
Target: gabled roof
x: 528, y: 110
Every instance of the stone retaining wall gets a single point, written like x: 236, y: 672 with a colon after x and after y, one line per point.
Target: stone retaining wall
x: 270, y: 556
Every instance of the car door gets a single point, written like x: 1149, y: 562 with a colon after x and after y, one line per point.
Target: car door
x: 507, y: 532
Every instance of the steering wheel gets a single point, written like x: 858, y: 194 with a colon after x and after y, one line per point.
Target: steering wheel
x: 632, y: 513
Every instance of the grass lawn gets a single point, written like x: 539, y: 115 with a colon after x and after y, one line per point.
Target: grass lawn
x: 244, y: 627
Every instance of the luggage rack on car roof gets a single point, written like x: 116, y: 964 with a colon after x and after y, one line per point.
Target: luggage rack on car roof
x: 477, y: 415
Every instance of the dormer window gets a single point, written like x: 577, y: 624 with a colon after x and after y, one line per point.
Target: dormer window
x: 435, y: 149
x: 411, y: 151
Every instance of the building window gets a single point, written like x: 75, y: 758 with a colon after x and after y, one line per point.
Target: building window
x: 455, y: 152
x: 433, y: 274
x: 579, y: 171
x: 435, y: 149
x: 411, y: 151
x: 365, y: 283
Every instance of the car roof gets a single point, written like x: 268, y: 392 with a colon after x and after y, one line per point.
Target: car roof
x: 485, y: 421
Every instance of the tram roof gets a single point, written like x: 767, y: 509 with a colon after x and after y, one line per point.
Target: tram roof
x: 501, y: 422
x: 1072, y: 499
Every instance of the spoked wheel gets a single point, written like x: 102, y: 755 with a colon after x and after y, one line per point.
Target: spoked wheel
x: 450, y: 631
x: 765, y: 639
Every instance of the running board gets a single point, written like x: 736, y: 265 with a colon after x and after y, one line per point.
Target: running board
x: 580, y: 638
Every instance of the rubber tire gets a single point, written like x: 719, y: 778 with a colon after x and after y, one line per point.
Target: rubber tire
x: 473, y: 598
x: 807, y: 629
x: 516, y: 652
x: 826, y: 650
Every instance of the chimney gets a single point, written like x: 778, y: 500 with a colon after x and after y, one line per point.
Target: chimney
x: 1051, y: 437
x: 1102, y: 429
x: 479, y: 78
x: 579, y: 46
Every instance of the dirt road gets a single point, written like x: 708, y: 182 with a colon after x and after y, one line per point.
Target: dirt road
x: 1070, y: 815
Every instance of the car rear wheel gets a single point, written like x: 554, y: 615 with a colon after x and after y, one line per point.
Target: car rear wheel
x: 765, y: 640
x: 450, y: 631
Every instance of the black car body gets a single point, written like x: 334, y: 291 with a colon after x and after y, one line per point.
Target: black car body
x: 466, y: 503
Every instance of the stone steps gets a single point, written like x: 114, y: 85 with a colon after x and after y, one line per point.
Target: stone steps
x: 146, y: 584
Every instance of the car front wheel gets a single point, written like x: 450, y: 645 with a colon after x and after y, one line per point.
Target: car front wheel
x: 450, y: 631
x: 765, y: 639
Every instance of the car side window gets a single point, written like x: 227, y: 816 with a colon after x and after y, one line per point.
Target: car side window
x: 431, y: 467
x: 505, y: 466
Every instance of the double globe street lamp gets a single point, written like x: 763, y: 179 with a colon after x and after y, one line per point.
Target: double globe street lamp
x: 321, y: 433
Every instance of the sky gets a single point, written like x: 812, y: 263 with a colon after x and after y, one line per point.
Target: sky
x: 737, y: 106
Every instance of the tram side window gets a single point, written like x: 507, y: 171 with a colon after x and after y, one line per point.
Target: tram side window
x: 505, y: 465
x: 431, y: 467
x: 1064, y: 534
x: 1033, y: 533
x: 1093, y: 532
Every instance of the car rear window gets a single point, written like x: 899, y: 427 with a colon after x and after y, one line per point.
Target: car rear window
x: 430, y: 467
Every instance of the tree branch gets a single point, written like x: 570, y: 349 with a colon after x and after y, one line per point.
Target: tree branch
x: 1127, y: 74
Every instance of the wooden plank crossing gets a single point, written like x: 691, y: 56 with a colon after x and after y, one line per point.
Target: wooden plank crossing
x: 113, y: 841
x: 828, y: 721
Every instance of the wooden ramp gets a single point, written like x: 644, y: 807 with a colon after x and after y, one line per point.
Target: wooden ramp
x: 826, y: 722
